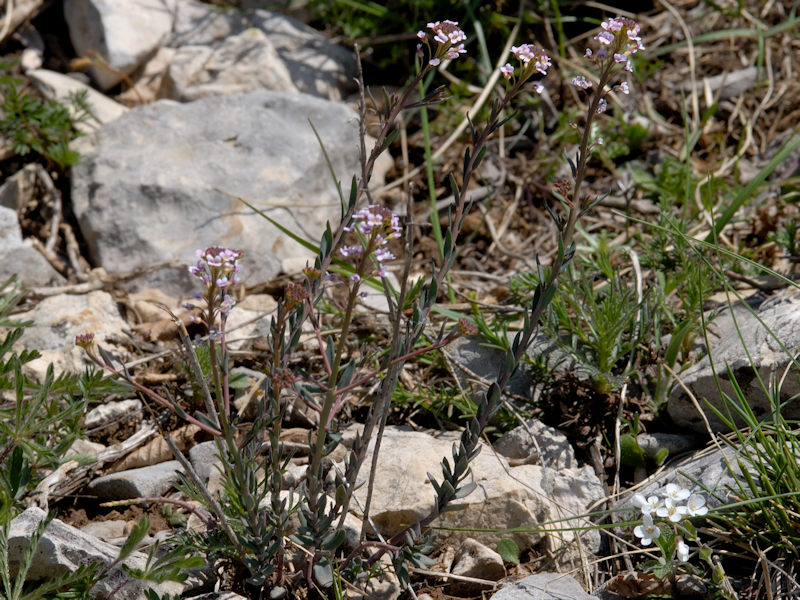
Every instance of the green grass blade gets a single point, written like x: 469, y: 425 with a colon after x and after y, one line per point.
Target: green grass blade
x: 747, y: 191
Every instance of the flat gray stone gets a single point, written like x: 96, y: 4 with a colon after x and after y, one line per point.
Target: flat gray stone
x: 103, y: 414
x: 57, y: 320
x: 767, y: 355
x: 151, y: 481
x: 17, y: 257
x: 205, y: 459
x: 505, y: 497
x: 556, y: 451
x: 310, y: 62
x: 124, y: 34
x: 63, y: 548
x: 155, y: 187
x: 544, y: 586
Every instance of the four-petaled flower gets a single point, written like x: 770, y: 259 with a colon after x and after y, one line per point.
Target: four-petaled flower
x: 647, y: 531
x: 676, y: 493
x: 666, y: 504
x: 217, y: 266
x: 581, y: 82
x: 670, y: 510
x: 695, y: 505
x: 647, y: 505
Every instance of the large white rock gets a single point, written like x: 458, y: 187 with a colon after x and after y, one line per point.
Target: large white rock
x: 63, y: 548
x: 760, y: 344
x: 124, y: 33
x: 58, y: 86
x: 59, y: 319
x: 155, y: 188
x: 243, y: 62
x: 144, y: 482
x: 506, y: 497
x: 313, y: 64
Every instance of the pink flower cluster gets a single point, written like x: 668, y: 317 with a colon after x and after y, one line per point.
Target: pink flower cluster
x: 217, y: 266
x: 376, y: 226
x: 532, y: 60
x: 621, y: 35
x: 450, y: 39
x: 527, y: 53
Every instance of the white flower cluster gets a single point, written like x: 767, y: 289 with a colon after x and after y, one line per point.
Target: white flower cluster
x: 672, y: 504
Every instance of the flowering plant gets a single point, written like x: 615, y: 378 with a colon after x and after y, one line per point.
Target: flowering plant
x: 665, y: 521
x: 255, y: 519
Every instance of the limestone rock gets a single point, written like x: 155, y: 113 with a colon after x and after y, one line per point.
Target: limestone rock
x: 518, y: 445
x: 63, y: 549
x: 505, y: 497
x: 477, y: 561
x: 103, y: 414
x: 310, y: 62
x: 124, y: 34
x: 157, y: 187
x: 57, y: 86
x: 770, y: 353
x: 243, y: 62
x: 544, y: 586
x: 150, y: 481
x: 58, y: 319
x: 17, y: 256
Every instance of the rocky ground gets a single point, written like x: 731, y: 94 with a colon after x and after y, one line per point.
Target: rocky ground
x: 194, y: 108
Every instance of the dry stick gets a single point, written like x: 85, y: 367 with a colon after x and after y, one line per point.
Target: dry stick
x: 55, y: 202
x: 692, y: 66
x: 200, y: 514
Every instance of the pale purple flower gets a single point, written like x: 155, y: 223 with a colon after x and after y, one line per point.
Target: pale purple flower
x: 581, y: 82
x: 447, y: 31
x: 507, y: 70
x: 382, y: 254
x: 538, y: 87
x: 355, y: 277
x: 604, y: 37
x: 623, y: 87
x: 588, y: 53
x: 602, y: 105
x: 218, y: 265
x: 528, y: 53
x: 623, y: 33
x: 620, y: 57
x: 454, y: 51
x: 348, y: 251
x: 449, y: 38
